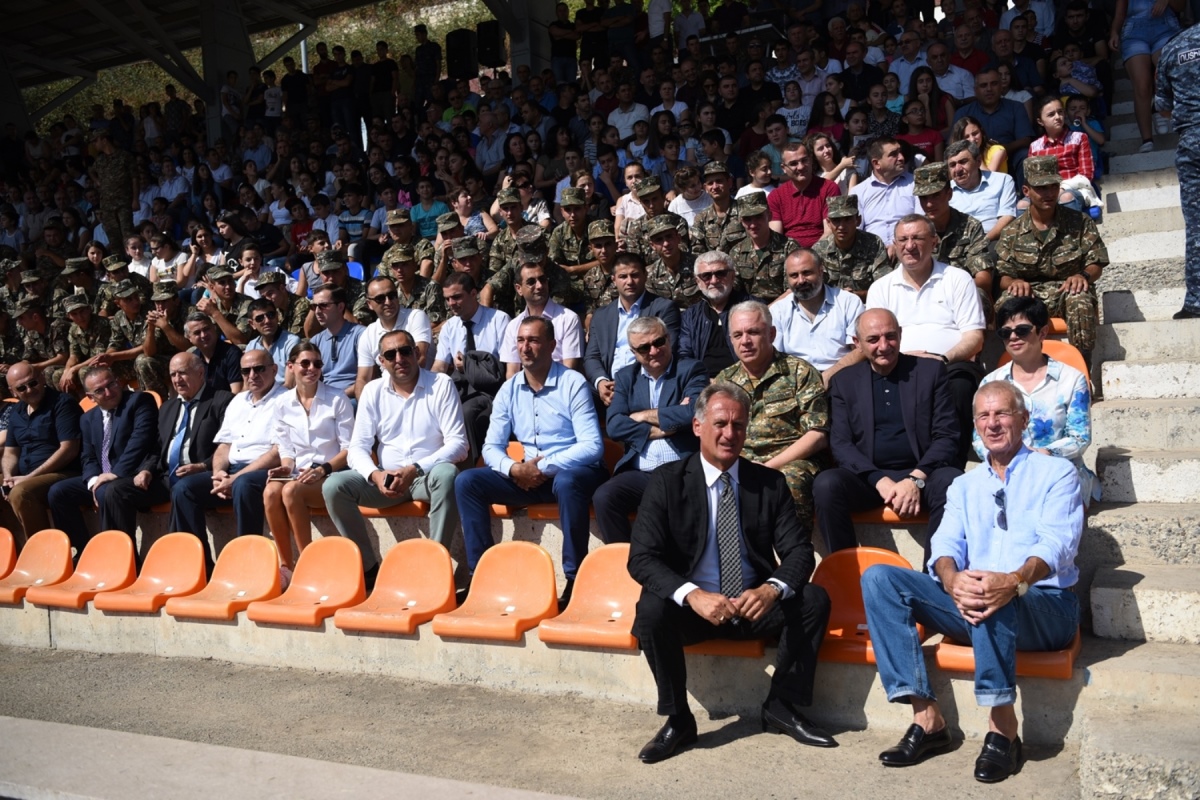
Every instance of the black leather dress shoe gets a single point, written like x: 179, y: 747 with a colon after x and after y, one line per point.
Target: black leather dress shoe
x: 998, y: 759
x: 915, y: 745
x: 1184, y: 313
x: 666, y: 742
x: 781, y: 717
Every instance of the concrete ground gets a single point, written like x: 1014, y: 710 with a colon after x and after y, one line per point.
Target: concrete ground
x: 559, y: 745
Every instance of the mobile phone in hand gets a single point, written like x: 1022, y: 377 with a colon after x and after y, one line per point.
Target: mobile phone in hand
x: 390, y: 480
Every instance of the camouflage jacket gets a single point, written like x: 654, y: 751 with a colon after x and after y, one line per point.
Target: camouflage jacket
x: 761, y: 271
x: 637, y: 240
x: 115, y: 176
x: 108, y: 301
x: 1054, y: 254
x: 599, y: 288
x: 964, y: 244
x: 84, y: 344
x: 37, y: 347
x: 711, y: 232
x: 856, y: 269
x: 787, y: 402
x: 680, y: 287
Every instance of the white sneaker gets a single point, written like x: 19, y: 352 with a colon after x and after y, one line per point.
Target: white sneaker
x: 1162, y: 125
x: 285, y: 578
x: 1146, y: 147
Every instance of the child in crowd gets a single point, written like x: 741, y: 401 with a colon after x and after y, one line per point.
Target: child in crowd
x: 1079, y: 113
x: 758, y: 166
x: 690, y: 197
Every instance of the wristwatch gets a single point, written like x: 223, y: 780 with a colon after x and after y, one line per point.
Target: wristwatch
x: 1022, y: 586
x: 920, y: 482
x: 417, y: 467
x: 326, y: 468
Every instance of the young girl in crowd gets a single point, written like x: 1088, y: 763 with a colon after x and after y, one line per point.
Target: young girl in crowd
x: 794, y: 110
x: 825, y: 116
x: 939, y: 107
x: 895, y: 100
x: 829, y: 161
x: 758, y: 167
x: 836, y: 87
x: 690, y: 197
x: 1074, y: 152
x: 627, y: 208
x: 880, y: 121
x: 995, y: 157
x: 925, y: 139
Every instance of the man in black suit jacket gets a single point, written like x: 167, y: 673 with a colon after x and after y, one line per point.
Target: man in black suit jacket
x: 132, y: 419
x: 602, y: 361
x: 704, y: 550
x: 894, y: 434
x: 151, y: 484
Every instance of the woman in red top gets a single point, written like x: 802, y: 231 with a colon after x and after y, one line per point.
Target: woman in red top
x: 939, y: 107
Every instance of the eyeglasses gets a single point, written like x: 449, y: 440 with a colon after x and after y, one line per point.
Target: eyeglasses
x: 1002, y: 511
x: 715, y: 275
x: 657, y: 344
x: 257, y: 369
x: 386, y: 297
x: 405, y: 351
x: 1020, y: 330
x: 28, y: 386
x: 261, y: 318
x: 309, y: 363
x: 535, y: 280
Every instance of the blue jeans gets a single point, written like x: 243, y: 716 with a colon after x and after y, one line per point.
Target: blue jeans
x: 897, y: 598
x: 476, y: 489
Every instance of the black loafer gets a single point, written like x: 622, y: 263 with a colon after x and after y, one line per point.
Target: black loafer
x: 664, y: 744
x: 998, y: 759
x: 1184, y: 313
x: 915, y: 745
x: 781, y: 717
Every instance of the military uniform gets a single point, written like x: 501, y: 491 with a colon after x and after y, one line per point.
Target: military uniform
x: 532, y: 248
x: 637, y: 234
x: 504, y: 250
x: 598, y: 287
x: 87, y: 343
x: 114, y: 174
x: 787, y: 402
x: 761, y: 271
x: 294, y: 314
x: 107, y: 301
x: 1178, y: 91
x: 964, y: 245
x: 47, y: 267
x: 857, y: 268
x: 713, y: 231
x: 679, y: 287
x: 38, y: 347
x: 151, y: 371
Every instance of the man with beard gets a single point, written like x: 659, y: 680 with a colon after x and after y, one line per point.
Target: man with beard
x: 816, y: 323
x: 704, y: 327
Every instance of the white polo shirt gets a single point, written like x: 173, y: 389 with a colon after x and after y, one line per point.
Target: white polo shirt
x: 934, y: 317
x: 568, y: 334
x: 823, y: 340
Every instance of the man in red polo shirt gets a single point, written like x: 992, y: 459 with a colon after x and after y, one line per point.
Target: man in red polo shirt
x: 798, y: 208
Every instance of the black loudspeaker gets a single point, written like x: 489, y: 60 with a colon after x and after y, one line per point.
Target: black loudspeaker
x: 462, y: 60
x: 490, y: 37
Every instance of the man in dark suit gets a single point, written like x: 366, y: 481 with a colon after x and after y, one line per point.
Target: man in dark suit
x: 118, y: 434
x: 187, y: 425
x: 704, y: 550
x: 608, y: 338
x: 894, y: 434
x: 704, y: 327
x: 651, y: 414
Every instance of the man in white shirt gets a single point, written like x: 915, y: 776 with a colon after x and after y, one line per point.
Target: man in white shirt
x: 415, y: 417
x: 939, y: 313
x: 384, y: 300
x: 174, y: 188
x: 816, y: 322
x: 534, y: 286
x: 627, y: 111
x: 245, y: 451
x: 909, y: 59
x: 953, y: 80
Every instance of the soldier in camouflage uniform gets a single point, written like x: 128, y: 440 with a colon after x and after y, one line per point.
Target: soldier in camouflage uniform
x: 34, y: 286
x: 1055, y: 254
x: 332, y: 266
x: 789, y: 411
x: 670, y: 273
x: 758, y: 259
x: 569, y: 245
x: 637, y: 233
x: 114, y: 174
x: 717, y: 227
x: 167, y: 316
x: 10, y: 291
x: 413, y: 290
x: 77, y: 279
x: 130, y: 327
x: 43, y: 340
x: 401, y: 231
x: 87, y: 342
x: 500, y: 292
x: 293, y: 310
x: 118, y: 270
x: 504, y: 246
x: 228, y: 308
x: 450, y: 229
x: 961, y: 240
x: 597, y: 283
x: 853, y: 259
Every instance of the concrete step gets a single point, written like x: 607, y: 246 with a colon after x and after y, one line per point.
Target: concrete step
x: 1133, y: 677
x: 1147, y: 603
x: 1143, y: 304
x: 1141, y: 200
x: 1127, y: 380
x: 1122, y: 107
x: 1148, y: 341
x: 1127, y: 130
x: 1139, y: 755
x: 1149, y: 476
x: 1147, y: 179
x: 1138, y: 533
x: 1142, y: 222
x: 1137, y: 162
x: 1163, y: 423
x: 1145, y: 246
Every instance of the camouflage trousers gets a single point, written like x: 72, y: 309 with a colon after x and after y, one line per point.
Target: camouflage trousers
x: 1187, y: 161
x: 800, y: 476
x: 152, y: 374
x: 1081, y: 311
x: 118, y: 223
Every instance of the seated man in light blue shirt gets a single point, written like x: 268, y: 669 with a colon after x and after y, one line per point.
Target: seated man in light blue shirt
x: 264, y: 318
x: 990, y: 197
x: 549, y: 410
x: 816, y: 321
x: 1001, y: 569
x: 337, y: 340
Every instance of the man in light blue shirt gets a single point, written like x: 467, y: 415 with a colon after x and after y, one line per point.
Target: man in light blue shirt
x: 886, y: 196
x: 264, y: 318
x: 338, y: 339
x: 816, y: 322
x: 548, y: 408
x: 990, y: 197
x: 1001, y: 570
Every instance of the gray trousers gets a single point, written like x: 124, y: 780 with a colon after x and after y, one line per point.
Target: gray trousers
x: 345, y: 491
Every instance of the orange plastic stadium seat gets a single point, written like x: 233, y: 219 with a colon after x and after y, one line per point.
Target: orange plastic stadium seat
x: 413, y: 508
x: 612, y: 454
x: 847, y: 640
x: 8, y: 552
x: 512, y: 591
x: 157, y: 397
x: 247, y: 570
x: 1065, y: 352
x: 415, y: 584
x: 884, y: 515
x: 602, y: 605
x: 328, y: 576
x: 1059, y: 664
x: 516, y: 451
x: 745, y: 648
x: 161, y: 508
x: 44, y: 560
x: 87, y: 404
x: 1058, y: 326
x: 174, y: 567
x: 107, y: 562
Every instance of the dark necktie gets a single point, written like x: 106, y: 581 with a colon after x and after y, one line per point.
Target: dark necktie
x: 729, y: 539
x: 469, y: 324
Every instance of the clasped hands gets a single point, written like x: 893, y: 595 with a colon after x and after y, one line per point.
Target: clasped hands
x: 902, y: 496
x: 978, y: 593
x: 528, y: 475
x: 718, y: 609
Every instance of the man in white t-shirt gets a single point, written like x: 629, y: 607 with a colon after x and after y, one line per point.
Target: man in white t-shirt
x: 533, y: 285
x: 384, y: 300
x: 627, y: 111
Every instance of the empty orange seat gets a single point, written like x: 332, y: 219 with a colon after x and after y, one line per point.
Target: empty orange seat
x: 1059, y: 664
x: 512, y: 591
x: 174, y: 567
x: 746, y: 648
x: 328, y: 576
x: 884, y: 515
x: 106, y: 563
x: 1058, y: 327
x: 415, y: 584
x: 87, y: 404
x: 247, y: 570
x: 45, y: 559
x: 847, y: 640
x: 602, y: 605
x: 8, y: 552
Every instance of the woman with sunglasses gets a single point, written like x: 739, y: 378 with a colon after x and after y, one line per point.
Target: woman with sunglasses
x: 313, y: 424
x: 1056, y: 394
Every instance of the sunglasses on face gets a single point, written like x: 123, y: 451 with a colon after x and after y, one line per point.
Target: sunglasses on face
x: 309, y: 363
x: 644, y: 349
x: 323, y: 306
x: 715, y: 275
x: 28, y: 386
x: 1020, y: 330
x: 261, y: 318
x: 257, y: 369
x: 405, y: 351
x: 386, y: 297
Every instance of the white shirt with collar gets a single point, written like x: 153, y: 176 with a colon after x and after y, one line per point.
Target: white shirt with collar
x: 315, y: 436
x: 568, y: 334
x: 490, y: 325
x: 247, y: 427
x: 413, y: 320
x: 425, y: 428
x: 827, y: 337
x: 957, y: 82
x: 934, y: 317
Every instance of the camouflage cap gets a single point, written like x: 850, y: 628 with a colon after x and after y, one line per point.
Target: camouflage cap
x: 842, y: 206
x: 661, y: 224
x: 398, y: 216
x: 448, y: 222
x: 466, y: 247
x: 74, y: 265
x: 30, y: 276
x: 601, y: 229
x: 98, y: 134
x: 1042, y: 171
x: 113, y: 263
x: 752, y: 204
x: 218, y: 272
x: 716, y: 168
x: 165, y: 290
x: 27, y: 304
x: 270, y: 277
x: 507, y: 196
x: 129, y: 288
x: 400, y: 254
x: 75, y: 301
x: 531, y: 243
x: 573, y: 197
x: 648, y: 185
x: 7, y: 265
x: 931, y: 178
x: 330, y: 260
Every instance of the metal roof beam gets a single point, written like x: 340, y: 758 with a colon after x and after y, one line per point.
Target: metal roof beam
x: 187, y: 77
x: 306, y: 23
